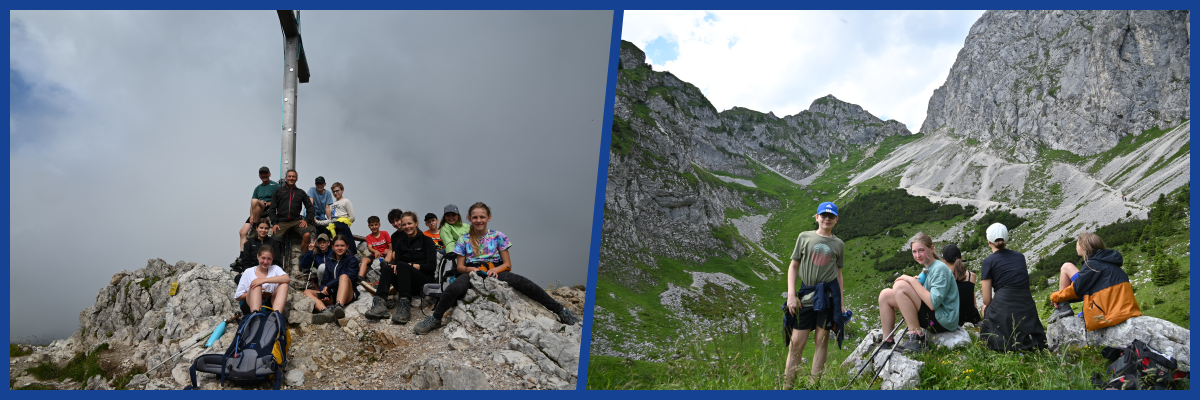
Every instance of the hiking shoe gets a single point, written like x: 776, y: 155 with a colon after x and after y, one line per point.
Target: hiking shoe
x: 915, y: 344
x: 1061, y: 310
x: 339, y: 311
x: 568, y: 317
x: 427, y: 325
x: 324, y: 317
x: 890, y: 343
x: 378, y: 309
x: 367, y: 285
x: 402, y: 313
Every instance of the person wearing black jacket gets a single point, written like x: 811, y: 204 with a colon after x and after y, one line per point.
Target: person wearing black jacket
x: 411, y: 262
x: 285, y: 209
x: 248, y: 258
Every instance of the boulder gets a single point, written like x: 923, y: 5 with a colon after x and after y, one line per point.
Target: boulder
x: 459, y: 339
x: 96, y: 383
x: 899, y: 372
x: 956, y: 338
x: 294, y: 378
x: 1170, y: 339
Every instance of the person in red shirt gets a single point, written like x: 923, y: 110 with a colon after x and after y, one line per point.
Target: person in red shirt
x: 378, y: 243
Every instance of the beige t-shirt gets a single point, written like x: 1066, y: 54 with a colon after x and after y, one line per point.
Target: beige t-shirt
x: 820, y: 258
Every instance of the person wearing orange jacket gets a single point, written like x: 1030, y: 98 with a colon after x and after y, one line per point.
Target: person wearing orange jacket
x: 1099, y: 283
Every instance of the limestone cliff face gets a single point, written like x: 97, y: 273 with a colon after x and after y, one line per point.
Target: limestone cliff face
x: 668, y: 139
x: 1066, y: 80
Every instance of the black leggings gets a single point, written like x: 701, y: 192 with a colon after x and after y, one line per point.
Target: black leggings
x: 459, y: 287
x: 406, y: 279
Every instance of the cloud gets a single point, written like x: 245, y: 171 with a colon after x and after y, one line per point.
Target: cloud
x: 138, y: 134
x: 889, y: 62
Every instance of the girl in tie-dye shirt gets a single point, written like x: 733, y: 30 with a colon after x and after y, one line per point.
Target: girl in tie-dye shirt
x: 485, y: 253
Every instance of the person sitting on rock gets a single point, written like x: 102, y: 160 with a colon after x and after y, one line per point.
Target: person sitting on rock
x: 1010, y: 318
x: 1103, y: 286
x: 341, y: 214
x: 285, y: 209
x: 965, y: 280
x: 318, y: 254
x: 817, y: 262
x: 451, y: 229
x: 249, y: 254
x: 410, y: 266
x: 260, y: 200
x: 431, y: 221
x: 265, y: 283
x: 932, y: 305
x: 485, y: 252
x: 339, y: 285
x: 378, y: 244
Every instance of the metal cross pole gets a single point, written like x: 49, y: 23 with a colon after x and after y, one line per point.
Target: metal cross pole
x: 295, y: 67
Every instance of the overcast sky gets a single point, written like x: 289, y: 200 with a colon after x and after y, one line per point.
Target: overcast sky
x: 889, y: 62
x: 138, y: 135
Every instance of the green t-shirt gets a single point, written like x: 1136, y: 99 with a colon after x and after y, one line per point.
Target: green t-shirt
x: 820, y: 258
x: 264, y: 192
x: 943, y: 293
x: 452, y: 233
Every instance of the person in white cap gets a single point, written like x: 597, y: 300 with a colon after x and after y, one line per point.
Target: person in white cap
x: 1010, y: 317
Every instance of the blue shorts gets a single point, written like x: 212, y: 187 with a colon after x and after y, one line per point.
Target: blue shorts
x: 1074, y: 277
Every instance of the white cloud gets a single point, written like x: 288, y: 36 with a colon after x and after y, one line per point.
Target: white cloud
x: 889, y: 62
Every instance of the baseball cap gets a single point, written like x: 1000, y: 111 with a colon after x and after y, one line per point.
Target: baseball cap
x: 951, y: 253
x: 322, y: 236
x: 264, y: 169
x: 997, y: 231
x: 827, y: 207
x: 450, y: 208
x: 320, y: 180
x: 429, y: 216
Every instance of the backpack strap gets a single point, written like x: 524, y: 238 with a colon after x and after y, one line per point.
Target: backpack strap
x: 192, y: 371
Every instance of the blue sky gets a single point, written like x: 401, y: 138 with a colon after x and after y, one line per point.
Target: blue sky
x: 889, y: 62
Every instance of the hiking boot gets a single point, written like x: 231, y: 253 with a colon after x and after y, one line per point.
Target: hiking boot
x: 324, y: 317
x: 402, y: 313
x: 368, y: 285
x: 427, y: 325
x: 378, y: 309
x: 1061, y: 310
x: 339, y: 311
x: 915, y: 344
x: 888, y: 344
x: 566, y: 316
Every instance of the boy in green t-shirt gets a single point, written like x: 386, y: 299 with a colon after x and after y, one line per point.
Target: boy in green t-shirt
x: 817, y: 260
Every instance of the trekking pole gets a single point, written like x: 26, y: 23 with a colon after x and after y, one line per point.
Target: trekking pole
x: 198, y: 341
x: 884, y: 363
x: 877, y: 348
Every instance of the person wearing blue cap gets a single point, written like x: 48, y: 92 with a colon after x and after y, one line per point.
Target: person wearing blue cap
x: 817, y: 261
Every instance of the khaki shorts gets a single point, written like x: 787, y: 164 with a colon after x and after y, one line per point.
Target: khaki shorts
x: 286, y: 226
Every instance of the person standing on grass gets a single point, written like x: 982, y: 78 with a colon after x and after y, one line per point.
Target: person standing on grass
x: 1101, y: 284
x: 1010, y: 317
x: 931, y: 304
x: 817, y: 262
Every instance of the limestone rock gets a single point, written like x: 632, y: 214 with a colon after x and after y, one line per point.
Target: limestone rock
x: 956, y: 338
x: 899, y: 372
x: 96, y: 383
x: 1170, y: 339
x: 459, y: 339
x: 137, y: 381
x: 294, y: 377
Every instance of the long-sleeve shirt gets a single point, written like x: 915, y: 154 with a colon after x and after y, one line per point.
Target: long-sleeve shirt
x: 340, y: 209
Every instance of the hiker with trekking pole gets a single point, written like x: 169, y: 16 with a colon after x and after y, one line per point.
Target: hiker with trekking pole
x: 817, y: 305
x: 929, y: 305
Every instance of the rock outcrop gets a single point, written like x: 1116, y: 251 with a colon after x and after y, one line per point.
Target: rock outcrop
x: 1170, y: 339
x: 897, y: 371
x: 1067, y: 80
x: 495, y: 338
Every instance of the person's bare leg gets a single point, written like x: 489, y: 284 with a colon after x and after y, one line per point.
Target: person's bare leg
x: 362, y: 268
x: 279, y: 299
x: 909, y: 303
x: 1064, y: 275
x: 242, y: 236
x: 819, y: 352
x: 795, y: 353
x: 304, y: 242
x: 344, y: 290
x: 254, y: 298
x: 256, y: 209
x: 312, y: 294
x: 887, y: 311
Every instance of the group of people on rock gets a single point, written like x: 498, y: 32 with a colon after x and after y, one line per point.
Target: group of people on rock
x: 408, y: 258
x: 942, y: 297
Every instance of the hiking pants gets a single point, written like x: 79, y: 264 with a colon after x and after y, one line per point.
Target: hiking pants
x: 459, y: 287
x: 343, y: 229
x: 406, y: 279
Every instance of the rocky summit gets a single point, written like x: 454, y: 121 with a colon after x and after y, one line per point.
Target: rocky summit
x: 495, y: 338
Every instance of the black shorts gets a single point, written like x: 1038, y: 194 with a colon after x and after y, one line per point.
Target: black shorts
x: 928, y: 320
x: 806, y: 319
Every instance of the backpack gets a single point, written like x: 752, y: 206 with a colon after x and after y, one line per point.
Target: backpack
x: 1139, y: 367
x: 258, y: 353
